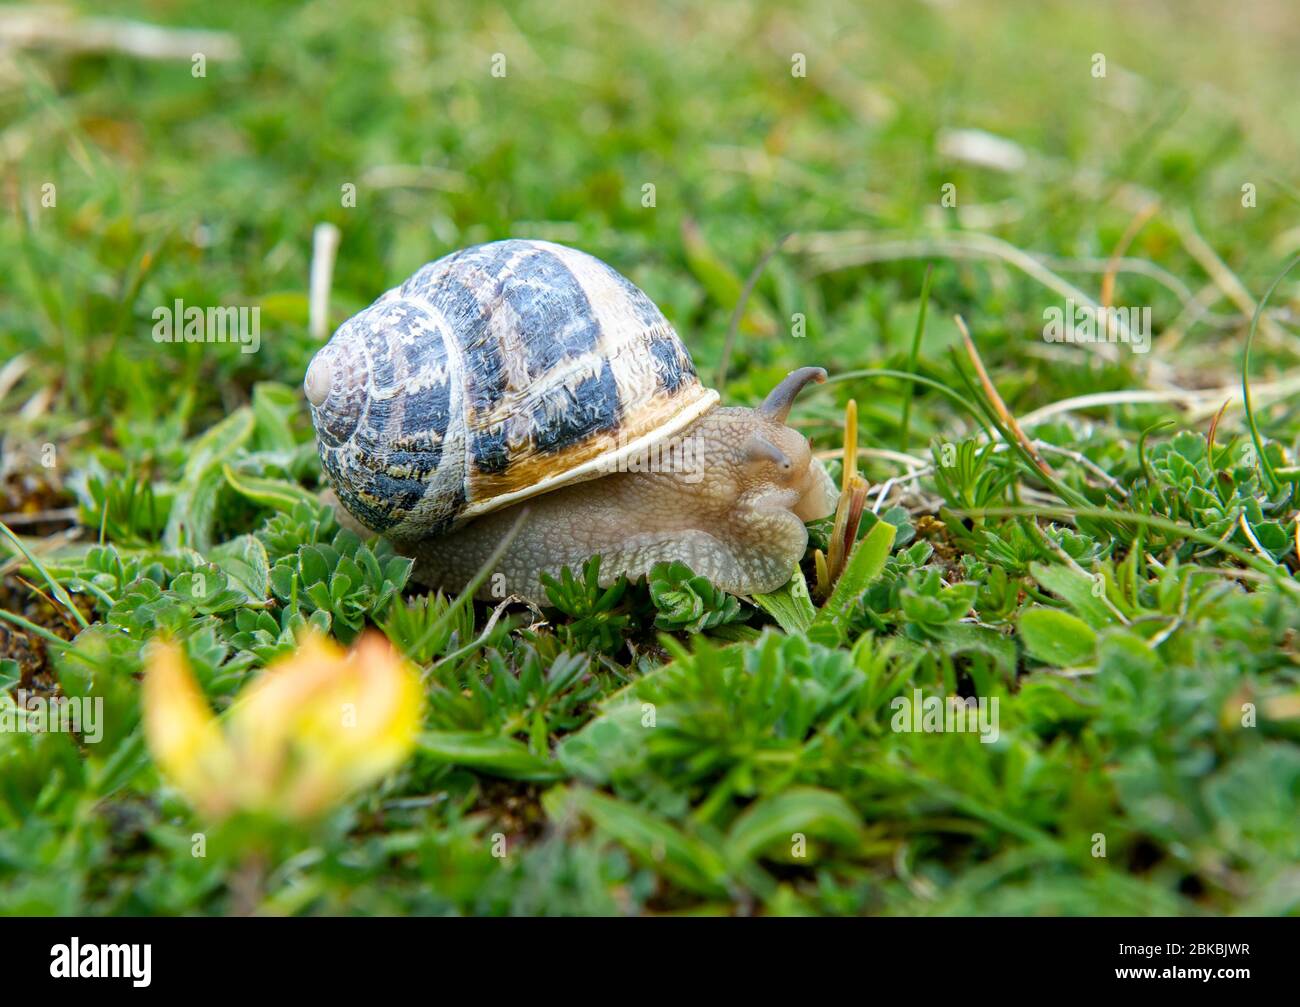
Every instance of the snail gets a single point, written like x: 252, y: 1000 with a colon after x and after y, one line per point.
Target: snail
x: 525, y: 373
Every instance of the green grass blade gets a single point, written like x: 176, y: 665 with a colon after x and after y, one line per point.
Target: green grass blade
x: 1265, y: 465
x: 59, y: 591
x: 911, y: 360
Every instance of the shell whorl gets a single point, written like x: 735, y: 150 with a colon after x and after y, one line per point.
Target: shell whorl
x: 491, y: 375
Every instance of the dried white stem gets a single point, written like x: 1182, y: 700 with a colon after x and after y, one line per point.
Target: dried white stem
x: 61, y: 28
x: 324, y: 246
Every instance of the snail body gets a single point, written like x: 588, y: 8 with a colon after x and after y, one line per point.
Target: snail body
x: 528, y: 373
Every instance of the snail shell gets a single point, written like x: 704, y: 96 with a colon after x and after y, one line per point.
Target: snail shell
x: 494, y: 374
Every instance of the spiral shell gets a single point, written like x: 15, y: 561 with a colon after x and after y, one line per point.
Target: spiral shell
x: 494, y: 374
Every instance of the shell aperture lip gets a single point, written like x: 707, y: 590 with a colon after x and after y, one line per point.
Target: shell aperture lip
x: 319, y: 379
x: 340, y: 373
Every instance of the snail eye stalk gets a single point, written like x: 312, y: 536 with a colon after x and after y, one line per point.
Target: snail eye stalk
x: 779, y: 400
x: 759, y: 448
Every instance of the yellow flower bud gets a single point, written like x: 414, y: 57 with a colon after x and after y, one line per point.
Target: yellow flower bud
x: 317, y: 726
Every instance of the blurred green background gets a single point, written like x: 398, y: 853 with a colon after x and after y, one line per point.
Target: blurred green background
x: 207, y: 189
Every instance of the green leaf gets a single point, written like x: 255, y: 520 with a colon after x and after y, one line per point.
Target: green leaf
x: 735, y: 632
x: 773, y: 821
x: 612, y: 745
x: 1254, y: 799
x: 790, y: 605
x: 314, y: 563
x: 1077, y: 590
x: 865, y: 564
x: 282, y: 576
x: 685, y: 860
x: 273, y: 408
x: 488, y: 753
x: 10, y: 674
x: 320, y: 595
x: 965, y: 637
x: 275, y: 493
x: 1057, y: 638
x: 245, y: 562
x: 194, y: 506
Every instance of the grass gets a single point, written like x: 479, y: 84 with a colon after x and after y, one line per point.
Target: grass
x: 1118, y: 576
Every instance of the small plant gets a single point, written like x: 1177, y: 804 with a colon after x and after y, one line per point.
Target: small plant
x: 970, y: 475
x: 688, y: 602
x: 268, y: 639
x: 284, y: 533
x: 598, y: 620
x: 848, y: 512
x: 421, y: 628
x: 345, y: 578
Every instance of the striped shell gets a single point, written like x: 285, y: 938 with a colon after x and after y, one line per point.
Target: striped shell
x: 494, y: 374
